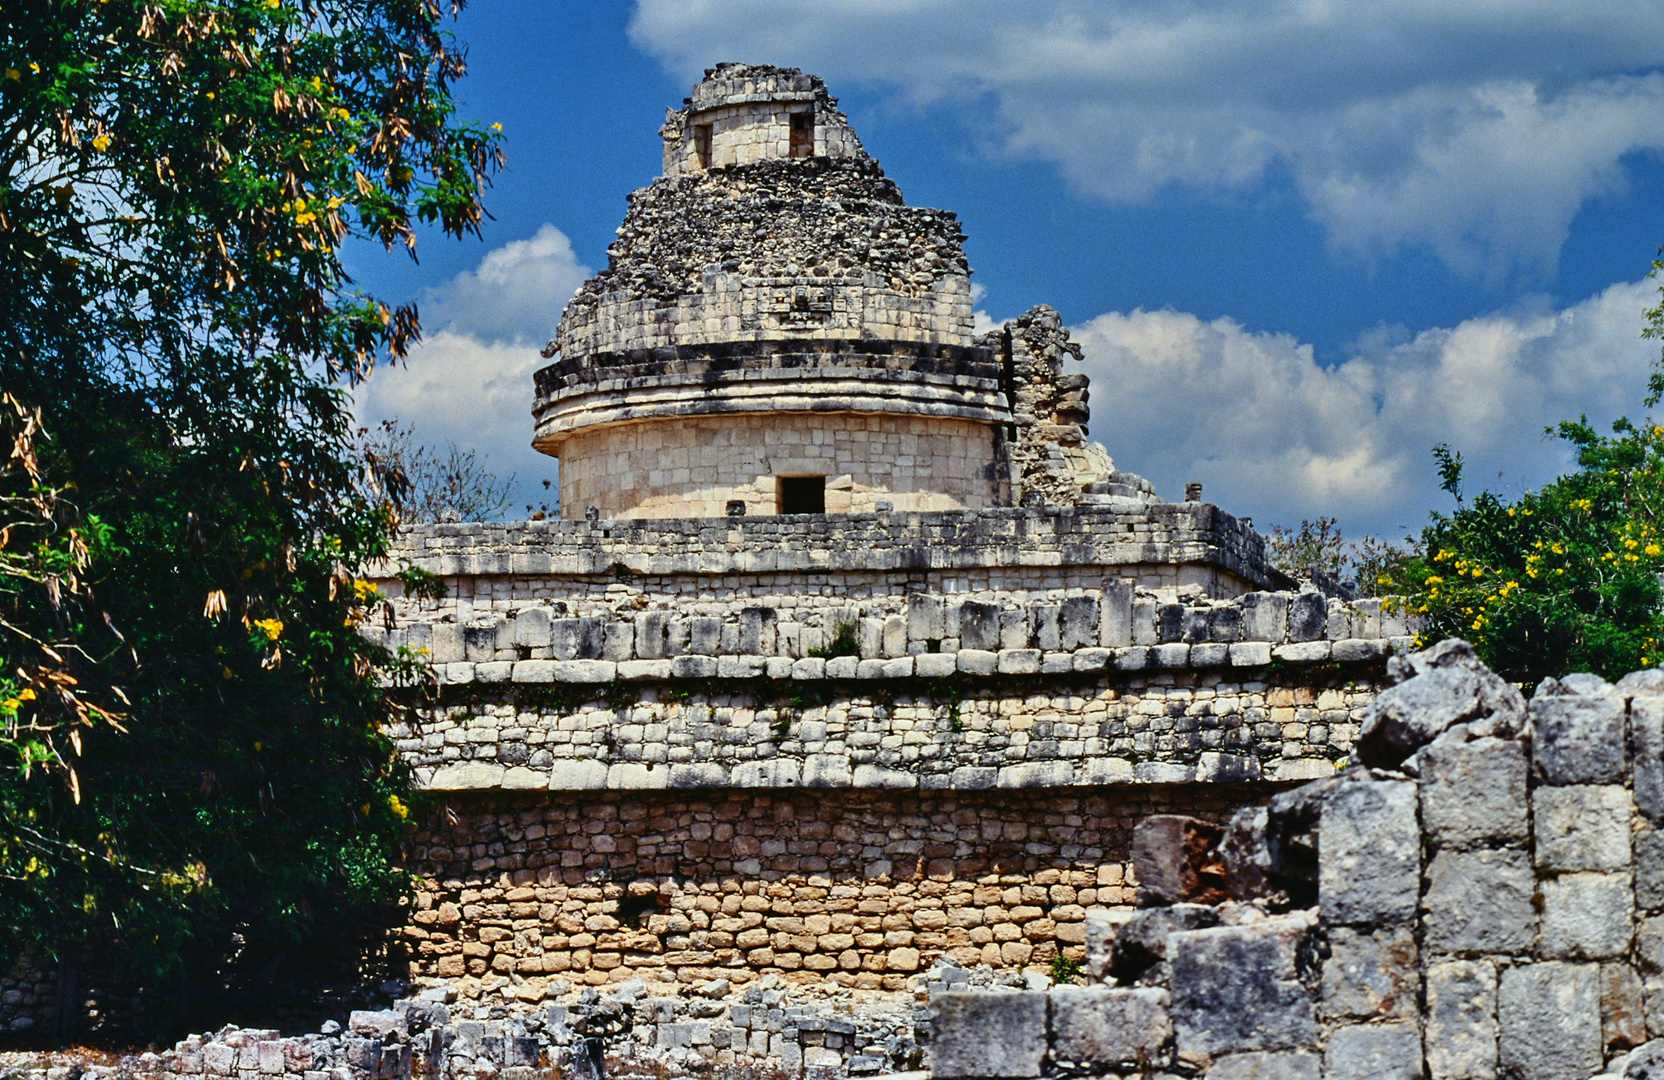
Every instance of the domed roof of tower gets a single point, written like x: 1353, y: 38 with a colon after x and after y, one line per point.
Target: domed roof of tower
x: 770, y: 222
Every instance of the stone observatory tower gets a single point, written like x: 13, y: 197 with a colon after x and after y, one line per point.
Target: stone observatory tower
x: 778, y: 332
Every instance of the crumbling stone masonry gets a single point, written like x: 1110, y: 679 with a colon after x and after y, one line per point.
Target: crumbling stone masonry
x: 1479, y: 897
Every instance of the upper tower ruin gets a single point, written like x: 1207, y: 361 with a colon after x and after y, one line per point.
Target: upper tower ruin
x: 777, y: 328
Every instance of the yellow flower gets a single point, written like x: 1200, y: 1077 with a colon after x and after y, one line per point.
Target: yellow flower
x: 272, y: 628
x: 364, y: 590
x: 101, y: 144
x: 397, y: 807
x: 1652, y: 549
x: 496, y: 127
x: 258, y: 746
x: 26, y: 695
x: 1435, y: 580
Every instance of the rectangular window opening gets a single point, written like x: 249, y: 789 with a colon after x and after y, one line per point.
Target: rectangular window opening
x: 801, y: 494
x: 702, y: 145
x: 803, y: 135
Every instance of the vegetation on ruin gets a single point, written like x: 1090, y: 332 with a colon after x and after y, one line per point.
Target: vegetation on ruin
x: 193, y: 757
x: 1566, y: 578
x: 1366, y: 563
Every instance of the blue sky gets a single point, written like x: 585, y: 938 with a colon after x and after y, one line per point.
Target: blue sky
x: 1300, y: 242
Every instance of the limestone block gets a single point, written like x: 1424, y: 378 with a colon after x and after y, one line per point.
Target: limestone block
x: 1037, y: 774
x: 1238, y: 988
x: 494, y: 671
x: 1548, y: 1017
x: 1175, y: 859
x: 1259, y: 1066
x: 1460, y: 1021
x: 869, y: 636
x: 1474, y: 792
x: 1134, y: 658
x: 1115, y: 614
x: 520, y: 778
x: 1302, y: 652
x: 740, y: 667
x: 1587, y: 916
x: 698, y: 774
x: 1019, y: 661
x: 1210, y: 655
x: 979, y: 627
x: 445, y: 644
x: 693, y: 667
x: 977, y: 661
x: 973, y: 778
x: 466, y: 776
x: 758, y: 630
x: 1578, y: 726
x: 1265, y: 617
x: 620, y: 641
x: 1251, y: 654
x: 705, y: 636
x: 1308, y: 616
x: 987, y: 1034
x: 579, y: 671
x: 935, y: 665
x: 1103, y: 1028
x: 653, y: 636
x: 534, y: 628
x: 1646, y: 722
x: 769, y: 772
x: 1582, y: 827
x: 1373, y: 1052
x: 843, y: 667
x: 1225, y: 623
x: 633, y: 775
x: 1479, y: 902
x: 810, y: 667
x: 577, y: 774
x: 1369, y: 853
x: 877, y: 776
x: 564, y: 638
x: 644, y: 670
x: 1091, y: 659
x: 821, y: 771
x: 1359, y: 650
x: 926, y: 618
x: 534, y: 671
x: 1014, y: 629
x: 1144, y: 622
x: 1047, y: 626
x: 1078, y: 623
x: 459, y: 674
x: 1371, y: 975
x: 1449, y: 686
x: 1649, y: 869
x: 1171, y: 656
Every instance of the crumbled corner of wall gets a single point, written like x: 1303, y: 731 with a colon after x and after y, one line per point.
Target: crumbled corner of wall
x: 1053, y: 463
x: 1480, y: 896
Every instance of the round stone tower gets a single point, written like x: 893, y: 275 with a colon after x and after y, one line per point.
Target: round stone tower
x: 775, y: 327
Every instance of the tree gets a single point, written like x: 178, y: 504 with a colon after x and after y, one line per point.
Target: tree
x: 1566, y: 578
x: 432, y: 484
x: 193, y: 746
x: 1367, y: 564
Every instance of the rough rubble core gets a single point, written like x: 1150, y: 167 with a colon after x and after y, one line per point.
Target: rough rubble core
x: 1491, y: 909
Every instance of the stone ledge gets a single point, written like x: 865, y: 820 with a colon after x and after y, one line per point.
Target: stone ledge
x: 977, y: 663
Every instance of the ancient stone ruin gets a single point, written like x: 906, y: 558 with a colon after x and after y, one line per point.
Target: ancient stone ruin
x: 855, y: 696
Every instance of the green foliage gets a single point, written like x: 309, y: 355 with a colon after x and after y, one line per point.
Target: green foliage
x: 204, y: 756
x: 1558, y: 580
x: 1064, y: 969
x: 843, y: 643
x: 1368, y: 563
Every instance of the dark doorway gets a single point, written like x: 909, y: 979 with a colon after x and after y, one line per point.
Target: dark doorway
x: 702, y: 145
x: 801, y: 494
x: 803, y: 135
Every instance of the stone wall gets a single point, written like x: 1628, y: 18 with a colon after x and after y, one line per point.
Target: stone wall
x: 694, y: 467
x: 1482, y: 897
x: 857, y: 889
x: 749, y: 109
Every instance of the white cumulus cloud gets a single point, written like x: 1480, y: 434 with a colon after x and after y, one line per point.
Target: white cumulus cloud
x: 1273, y: 434
x: 1475, y: 131
x: 470, y: 380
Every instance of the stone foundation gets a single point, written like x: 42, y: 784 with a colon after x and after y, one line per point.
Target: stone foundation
x: 862, y: 889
